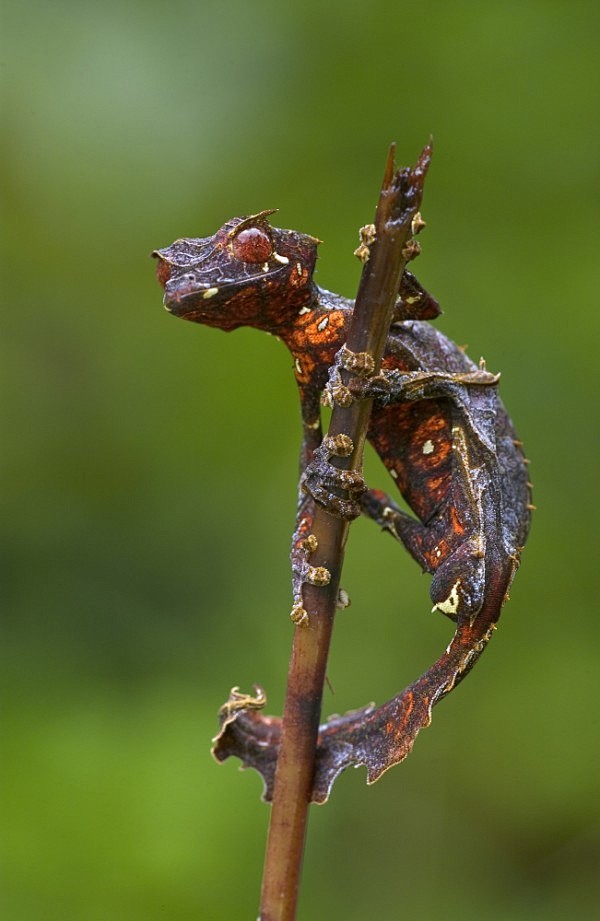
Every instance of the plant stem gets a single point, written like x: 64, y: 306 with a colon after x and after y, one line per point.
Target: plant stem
x: 399, y: 201
x: 295, y: 763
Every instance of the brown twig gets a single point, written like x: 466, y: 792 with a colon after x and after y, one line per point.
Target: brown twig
x: 385, y: 255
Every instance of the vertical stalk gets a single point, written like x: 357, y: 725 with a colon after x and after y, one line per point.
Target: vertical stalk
x: 300, y: 725
x: 399, y: 201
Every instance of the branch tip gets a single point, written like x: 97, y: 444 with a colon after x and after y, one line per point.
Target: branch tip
x: 390, y: 165
x: 424, y: 161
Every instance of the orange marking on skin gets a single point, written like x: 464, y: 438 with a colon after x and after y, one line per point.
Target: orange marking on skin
x: 430, y: 444
x: 438, y: 554
x: 431, y: 426
x: 335, y: 321
x: 298, y: 276
x: 438, y: 484
x: 312, y: 347
x: 304, y: 528
x: 455, y: 522
x: 304, y: 366
x: 409, y: 704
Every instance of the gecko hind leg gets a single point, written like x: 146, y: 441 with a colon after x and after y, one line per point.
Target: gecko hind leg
x: 409, y: 532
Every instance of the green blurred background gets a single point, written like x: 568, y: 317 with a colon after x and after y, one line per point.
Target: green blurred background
x: 149, y: 465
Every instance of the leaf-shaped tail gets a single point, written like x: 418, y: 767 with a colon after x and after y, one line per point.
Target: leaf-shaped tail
x: 376, y: 737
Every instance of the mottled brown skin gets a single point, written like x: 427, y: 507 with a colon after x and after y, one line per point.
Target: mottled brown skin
x: 440, y: 430
x: 437, y: 422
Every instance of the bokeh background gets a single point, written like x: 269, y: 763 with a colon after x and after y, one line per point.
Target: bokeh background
x: 149, y: 466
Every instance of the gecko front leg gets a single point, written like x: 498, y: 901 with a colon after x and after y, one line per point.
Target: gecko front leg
x: 333, y: 486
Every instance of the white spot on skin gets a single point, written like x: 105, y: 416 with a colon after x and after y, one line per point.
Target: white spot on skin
x: 210, y: 292
x: 438, y: 552
x: 283, y: 259
x: 394, y: 474
x: 265, y: 266
x: 303, y: 311
x: 323, y: 324
x: 298, y: 366
x: 450, y: 605
x: 299, y: 268
x: 428, y: 447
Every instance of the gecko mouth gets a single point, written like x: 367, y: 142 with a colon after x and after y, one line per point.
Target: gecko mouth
x: 187, y: 292
x: 181, y: 291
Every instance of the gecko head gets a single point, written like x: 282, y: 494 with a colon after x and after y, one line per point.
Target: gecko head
x: 247, y: 274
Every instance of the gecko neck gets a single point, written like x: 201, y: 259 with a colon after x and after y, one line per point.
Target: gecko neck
x: 290, y: 326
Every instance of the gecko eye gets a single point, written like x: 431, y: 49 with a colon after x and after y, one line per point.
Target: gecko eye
x: 252, y: 245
